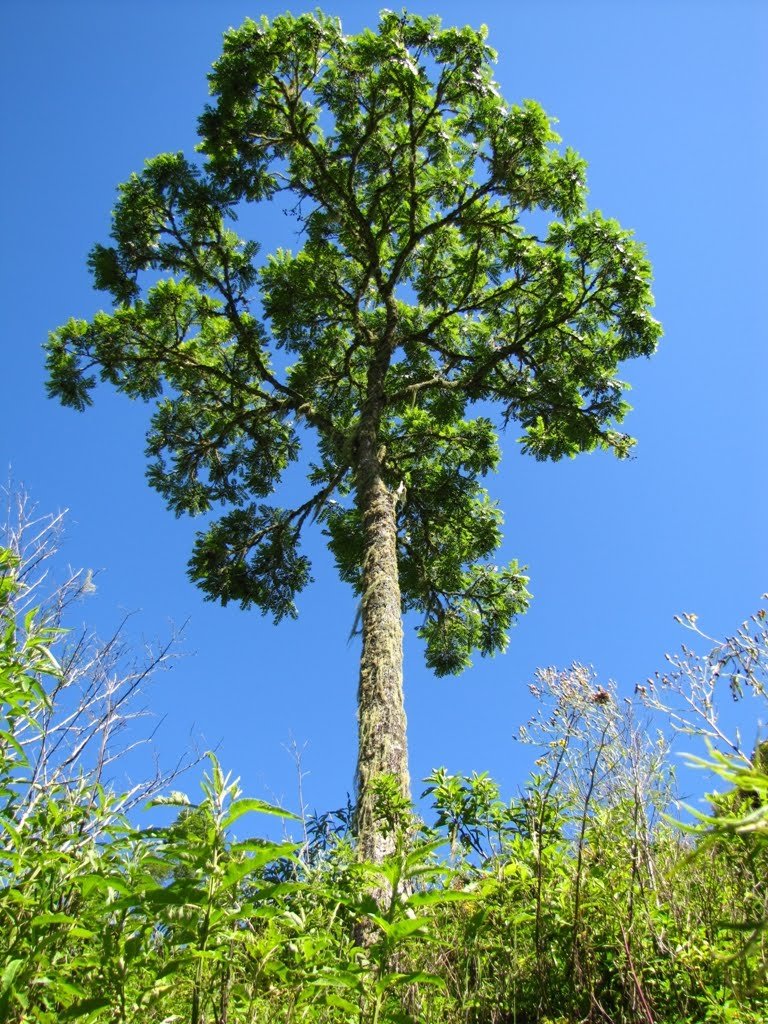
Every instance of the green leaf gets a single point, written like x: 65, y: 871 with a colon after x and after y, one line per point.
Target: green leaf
x: 237, y: 870
x: 406, y: 927
x: 10, y: 972
x: 87, y: 1009
x: 395, y: 980
x: 436, y: 897
x: 240, y: 807
x: 58, y: 918
x: 333, y: 999
x: 104, y: 883
x: 336, y: 978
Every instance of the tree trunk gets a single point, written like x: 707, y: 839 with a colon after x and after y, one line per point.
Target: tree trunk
x: 381, y: 713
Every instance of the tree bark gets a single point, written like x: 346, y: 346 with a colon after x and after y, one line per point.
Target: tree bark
x: 382, y: 748
x: 381, y: 712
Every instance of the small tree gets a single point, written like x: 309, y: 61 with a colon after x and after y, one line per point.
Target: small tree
x: 426, y: 296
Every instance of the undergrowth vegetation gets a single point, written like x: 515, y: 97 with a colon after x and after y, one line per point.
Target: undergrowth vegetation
x: 580, y: 899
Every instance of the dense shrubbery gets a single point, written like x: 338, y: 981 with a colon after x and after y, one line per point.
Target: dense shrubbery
x: 577, y: 900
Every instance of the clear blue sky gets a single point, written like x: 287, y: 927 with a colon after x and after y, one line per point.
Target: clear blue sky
x: 666, y: 101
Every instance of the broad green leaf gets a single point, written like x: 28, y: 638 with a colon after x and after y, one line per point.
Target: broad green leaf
x: 435, y: 897
x: 9, y: 974
x: 240, y: 807
x: 336, y: 978
x: 333, y: 999
x: 395, y: 980
x: 51, y: 918
x: 407, y: 927
x: 87, y: 1009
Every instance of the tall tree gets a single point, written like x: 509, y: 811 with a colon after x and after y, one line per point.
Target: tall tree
x: 428, y: 306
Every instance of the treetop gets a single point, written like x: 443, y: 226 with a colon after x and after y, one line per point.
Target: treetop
x: 428, y: 299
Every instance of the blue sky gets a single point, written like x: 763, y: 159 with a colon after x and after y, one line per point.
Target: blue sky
x: 666, y: 102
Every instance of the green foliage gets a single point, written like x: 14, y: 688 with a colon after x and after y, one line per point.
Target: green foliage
x: 422, y: 300
x: 25, y: 657
x: 425, y: 308
x: 577, y: 900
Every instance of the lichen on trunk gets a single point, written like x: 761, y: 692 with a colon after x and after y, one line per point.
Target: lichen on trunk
x: 381, y: 712
x: 382, y: 746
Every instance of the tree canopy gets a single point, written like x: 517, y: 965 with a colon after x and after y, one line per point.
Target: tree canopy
x: 448, y: 281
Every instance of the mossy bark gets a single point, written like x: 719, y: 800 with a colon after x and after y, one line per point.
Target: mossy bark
x: 382, y: 748
x: 381, y: 712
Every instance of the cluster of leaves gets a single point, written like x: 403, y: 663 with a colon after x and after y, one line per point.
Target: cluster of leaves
x: 577, y: 900
x: 422, y: 298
